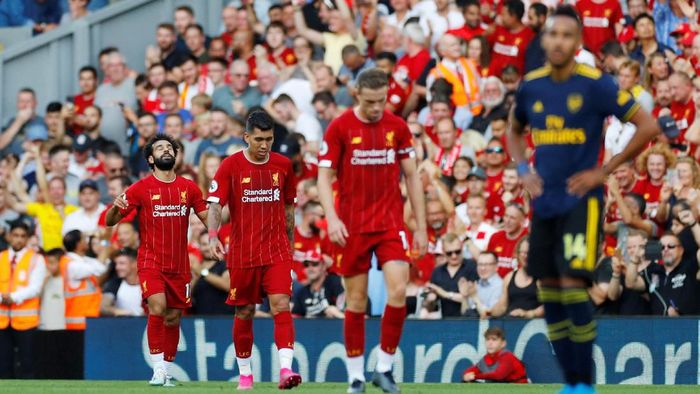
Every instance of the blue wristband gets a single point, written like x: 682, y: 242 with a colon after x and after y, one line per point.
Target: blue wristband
x: 523, y: 168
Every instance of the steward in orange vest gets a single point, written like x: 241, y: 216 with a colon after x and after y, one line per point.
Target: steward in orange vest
x: 22, y: 273
x: 80, y: 274
x: 460, y: 72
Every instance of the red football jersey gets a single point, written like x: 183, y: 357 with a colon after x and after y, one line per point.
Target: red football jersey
x: 467, y: 32
x: 684, y: 115
x: 504, y: 248
x: 508, y: 48
x: 413, y: 66
x: 599, y: 21
x: 256, y: 194
x: 367, y: 159
x: 285, y: 57
x: 397, y: 95
x: 302, y: 245
x: 164, y: 217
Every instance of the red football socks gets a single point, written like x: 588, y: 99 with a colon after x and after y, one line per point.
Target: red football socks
x: 392, y: 326
x: 172, y: 338
x: 243, y: 337
x: 284, y: 330
x: 155, y: 331
x: 354, y: 328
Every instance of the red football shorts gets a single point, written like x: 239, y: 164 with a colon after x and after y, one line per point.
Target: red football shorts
x: 250, y: 285
x: 176, y: 287
x: 356, y: 257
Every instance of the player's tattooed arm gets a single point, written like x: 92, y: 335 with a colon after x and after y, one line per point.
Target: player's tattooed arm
x: 289, y: 216
x: 213, y: 221
x: 213, y: 216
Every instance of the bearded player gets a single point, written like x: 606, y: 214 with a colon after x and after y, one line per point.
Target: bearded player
x: 258, y: 187
x: 565, y: 104
x: 163, y: 201
x: 367, y: 149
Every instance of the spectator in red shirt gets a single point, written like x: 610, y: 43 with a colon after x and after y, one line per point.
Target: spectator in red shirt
x: 278, y: 53
x: 87, y: 80
x: 495, y: 162
x: 602, y: 21
x: 663, y: 98
x: 503, y: 242
x: 471, y: 10
x: 307, y: 237
x: 416, y: 56
x: 683, y: 106
x: 498, y: 365
x: 657, y: 69
x: 509, y: 41
x: 652, y: 165
x: 398, y: 88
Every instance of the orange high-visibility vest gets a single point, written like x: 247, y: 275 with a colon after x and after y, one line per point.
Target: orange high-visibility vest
x: 81, y: 301
x: 24, y: 316
x: 462, y: 95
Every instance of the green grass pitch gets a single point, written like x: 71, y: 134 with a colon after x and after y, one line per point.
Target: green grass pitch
x: 105, y: 387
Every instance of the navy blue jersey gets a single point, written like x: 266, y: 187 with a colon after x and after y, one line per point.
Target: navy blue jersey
x: 566, y: 122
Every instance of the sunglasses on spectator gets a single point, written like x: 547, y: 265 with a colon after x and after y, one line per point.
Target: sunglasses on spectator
x: 241, y: 75
x: 453, y: 252
x: 669, y: 246
x: 494, y: 149
x: 120, y: 170
x: 311, y: 263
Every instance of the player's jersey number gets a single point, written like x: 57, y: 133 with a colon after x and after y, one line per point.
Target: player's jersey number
x: 404, y: 239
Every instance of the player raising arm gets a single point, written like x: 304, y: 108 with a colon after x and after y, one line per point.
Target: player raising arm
x: 367, y: 148
x: 258, y: 187
x: 565, y: 104
x: 163, y: 201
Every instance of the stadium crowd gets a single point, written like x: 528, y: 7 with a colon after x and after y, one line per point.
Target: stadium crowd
x: 453, y: 67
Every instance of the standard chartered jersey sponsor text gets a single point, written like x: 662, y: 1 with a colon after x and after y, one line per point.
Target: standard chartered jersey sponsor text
x: 260, y: 195
x: 372, y: 157
x: 161, y: 211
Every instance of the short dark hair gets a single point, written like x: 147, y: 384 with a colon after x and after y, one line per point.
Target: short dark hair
x: 612, y: 48
x: 219, y: 60
x: 29, y: 90
x: 71, y: 240
x: 90, y: 69
x: 283, y: 98
x: 539, y: 8
x: 489, y: 252
x: 54, y: 106
x: 56, y: 253
x: 495, y: 332
x: 21, y: 224
x: 166, y: 26
x: 568, y: 11
x: 148, y: 115
x: 515, y: 7
x: 324, y: 97
x: 260, y: 120
x: 168, y: 85
x: 643, y: 16
x: 350, y: 49
x: 148, y: 149
x: 107, y: 51
x: 128, y: 252
x: 58, y: 149
x: 97, y: 108
x: 386, y: 55
x: 276, y: 25
x: 275, y: 7
x: 469, y: 3
x: 372, y: 78
x: 197, y: 26
x: 185, y: 8
x: 639, y: 199
x: 155, y: 65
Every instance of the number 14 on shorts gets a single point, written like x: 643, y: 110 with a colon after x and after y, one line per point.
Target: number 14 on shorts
x: 576, y: 252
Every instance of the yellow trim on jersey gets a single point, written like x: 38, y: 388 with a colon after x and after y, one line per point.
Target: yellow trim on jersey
x: 587, y: 71
x: 591, y: 233
x: 630, y: 113
x: 541, y: 72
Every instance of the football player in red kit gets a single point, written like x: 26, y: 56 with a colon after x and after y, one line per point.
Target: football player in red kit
x: 368, y: 148
x: 163, y: 201
x: 259, y: 188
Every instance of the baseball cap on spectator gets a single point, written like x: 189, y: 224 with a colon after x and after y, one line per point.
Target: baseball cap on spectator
x: 477, y: 172
x: 290, y: 147
x: 682, y: 29
x: 668, y: 126
x: 687, y: 39
x: 81, y: 143
x: 88, y: 183
x: 312, y: 256
x: 36, y: 131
